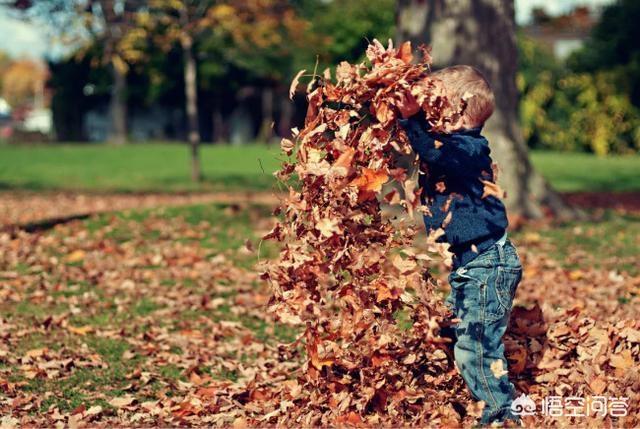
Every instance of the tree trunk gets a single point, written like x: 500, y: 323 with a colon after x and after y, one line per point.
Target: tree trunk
x: 481, y: 33
x: 266, y: 129
x: 218, y: 134
x: 118, y: 104
x: 191, y: 97
x: 286, y: 116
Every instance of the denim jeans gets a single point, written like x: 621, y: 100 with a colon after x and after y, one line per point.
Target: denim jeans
x: 482, y: 293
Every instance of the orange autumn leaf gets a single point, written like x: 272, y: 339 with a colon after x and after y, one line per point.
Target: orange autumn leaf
x: 343, y: 164
x: 75, y: 256
x: 319, y: 363
x: 370, y: 180
x: 382, y: 293
x: 81, y: 330
x: 379, y: 359
x: 207, y: 392
x: 598, y: 385
x: 352, y: 418
x: 491, y: 189
x: 407, y: 104
x: 384, y: 113
x: 622, y: 360
x: 405, y: 52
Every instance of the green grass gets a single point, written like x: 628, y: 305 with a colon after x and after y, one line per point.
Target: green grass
x: 611, y: 242
x: 570, y: 172
x: 165, y: 167
x: 136, y: 167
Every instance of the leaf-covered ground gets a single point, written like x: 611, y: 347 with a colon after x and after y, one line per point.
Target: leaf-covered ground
x: 38, y: 208
x: 155, y: 317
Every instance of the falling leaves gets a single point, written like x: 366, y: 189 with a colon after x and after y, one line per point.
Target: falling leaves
x: 340, y: 272
x: 294, y: 83
x: 327, y: 227
x: 491, y: 189
x: 370, y: 182
x: 498, y: 369
x: 348, y: 276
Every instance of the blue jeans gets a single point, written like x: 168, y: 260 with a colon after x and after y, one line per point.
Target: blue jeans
x: 482, y: 293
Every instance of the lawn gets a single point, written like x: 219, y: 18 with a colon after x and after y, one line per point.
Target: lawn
x: 135, y: 167
x: 165, y: 167
x: 570, y: 172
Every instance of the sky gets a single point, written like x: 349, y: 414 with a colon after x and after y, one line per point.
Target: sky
x: 553, y: 7
x: 18, y: 38
x: 23, y: 39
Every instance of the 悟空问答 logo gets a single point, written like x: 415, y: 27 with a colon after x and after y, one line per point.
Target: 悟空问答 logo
x: 523, y: 406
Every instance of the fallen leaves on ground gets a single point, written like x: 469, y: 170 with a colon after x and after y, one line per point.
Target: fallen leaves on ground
x: 21, y: 207
x: 181, y: 336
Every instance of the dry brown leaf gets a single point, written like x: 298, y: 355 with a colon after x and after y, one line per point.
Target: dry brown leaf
x: 491, y: 189
x: 80, y: 330
x: 623, y: 360
x: 122, y: 401
x: 294, y: 83
x: 498, y: 369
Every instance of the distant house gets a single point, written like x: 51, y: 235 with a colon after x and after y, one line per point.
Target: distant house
x: 5, y: 109
x: 562, y: 34
x: 38, y: 120
x: 5, y: 119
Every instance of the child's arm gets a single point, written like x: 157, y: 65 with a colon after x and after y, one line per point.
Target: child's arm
x: 425, y: 145
x: 461, y: 156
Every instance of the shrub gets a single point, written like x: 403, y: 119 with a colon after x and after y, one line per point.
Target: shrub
x: 565, y: 110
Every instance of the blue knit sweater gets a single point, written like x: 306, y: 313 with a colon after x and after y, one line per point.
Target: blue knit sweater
x: 455, y: 165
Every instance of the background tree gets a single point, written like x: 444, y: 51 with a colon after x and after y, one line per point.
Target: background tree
x: 345, y: 27
x: 85, y: 23
x: 23, y: 83
x: 565, y: 109
x: 269, y: 41
x: 5, y: 61
x: 614, y: 45
x: 111, y: 20
x: 183, y: 22
x: 482, y: 34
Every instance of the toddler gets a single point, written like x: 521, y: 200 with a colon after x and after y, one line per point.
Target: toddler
x: 486, y: 267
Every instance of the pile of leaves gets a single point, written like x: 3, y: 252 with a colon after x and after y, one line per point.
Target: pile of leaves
x: 345, y: 271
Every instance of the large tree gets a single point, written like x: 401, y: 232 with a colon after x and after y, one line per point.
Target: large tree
x: 481, y: 33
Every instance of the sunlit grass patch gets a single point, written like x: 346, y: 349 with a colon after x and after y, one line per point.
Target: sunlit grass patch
x: 609, y: 240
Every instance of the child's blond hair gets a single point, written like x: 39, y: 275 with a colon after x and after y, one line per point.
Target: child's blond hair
x: 467, y: 82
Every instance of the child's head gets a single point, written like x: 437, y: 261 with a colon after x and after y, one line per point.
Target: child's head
x: 468, y: 83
